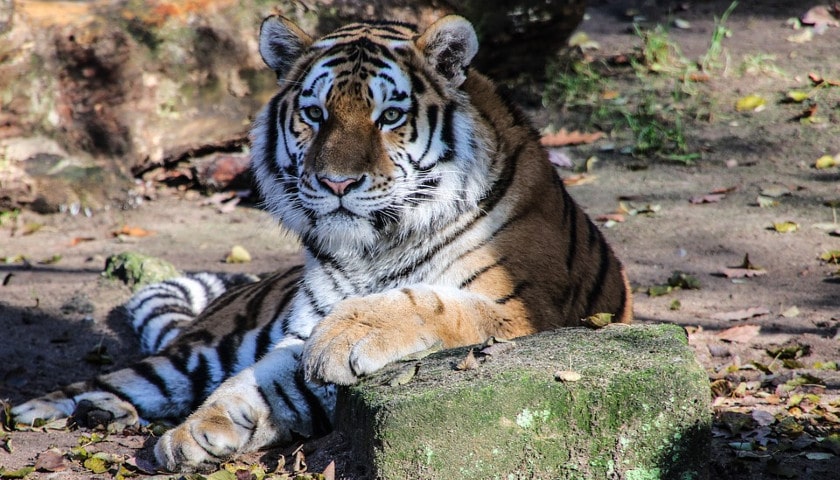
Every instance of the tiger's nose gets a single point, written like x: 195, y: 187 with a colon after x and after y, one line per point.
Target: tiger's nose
x: 340, y: 186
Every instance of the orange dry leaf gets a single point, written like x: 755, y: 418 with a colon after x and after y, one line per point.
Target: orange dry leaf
x: 77, y: 240
x: 741, y: 333
x: 564, y: 137
x: 609, y: 94
x: 818, y: 79
x: 579, y: 179
x: 615, y: 217
x: 741, y: 314
x: 132, y: 232
x: 699, y: 77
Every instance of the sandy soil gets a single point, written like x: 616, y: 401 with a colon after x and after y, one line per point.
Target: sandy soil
x: 53, y: 314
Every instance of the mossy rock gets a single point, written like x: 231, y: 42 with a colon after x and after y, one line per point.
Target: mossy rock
x: 137, y: 270
x: 640, y: 410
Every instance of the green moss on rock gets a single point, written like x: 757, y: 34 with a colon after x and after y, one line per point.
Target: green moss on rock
x: 137, y: 270
x: 640, y: 410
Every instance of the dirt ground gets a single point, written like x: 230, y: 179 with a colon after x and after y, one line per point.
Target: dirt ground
x: 776, y: 410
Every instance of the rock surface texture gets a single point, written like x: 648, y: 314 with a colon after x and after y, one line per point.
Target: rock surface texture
x: 622, y: 402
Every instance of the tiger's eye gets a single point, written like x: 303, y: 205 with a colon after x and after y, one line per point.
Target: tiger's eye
x: 391, y: 116
x: 314, y: 114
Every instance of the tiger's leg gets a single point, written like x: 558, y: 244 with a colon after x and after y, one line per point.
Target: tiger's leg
x: 173, y: 383
x: 363, y: 334
x: 157, y: 387
x: 90, y: 407
x: 265, y: 404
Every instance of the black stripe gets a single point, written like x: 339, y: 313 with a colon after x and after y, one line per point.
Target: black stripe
x: 161, y: 310
x: 203, y: 383
x: 571, y: 215
x: 268, y: 157
x: 290, y: 404
x: 310, y: 295
x: 412, y: 120
x: 517, y: 115
x: 597, y: 288
x: 432, y: 251
x: 228, y: 348
x: 516, y: 293
x: 503, y: 182
x: 99, y: 383
x: 431, y: 114
x: 448, y: 132
x: 160, y: 293
x: 172, y: 325
x: 187, y: 293
x: 510, y: 221
x: 481, y: 271
x: 418, y: 86
x: 264, y: 341
x: 321, y: 422
x: 272, y: 156
x: 148, y: 372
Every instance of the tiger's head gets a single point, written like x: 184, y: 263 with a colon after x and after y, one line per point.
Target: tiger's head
x: 371, y: 138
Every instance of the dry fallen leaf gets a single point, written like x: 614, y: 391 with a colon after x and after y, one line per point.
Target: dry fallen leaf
x: 817, y: 79
x: 797, y: 96
x: 51, y: 460
x: 750, y: 103
x: 809, y: 115
x: 77, y: 240
x: 559, y: 159
x: 498, y: 348
x: 403, y: 375
x: 775, y: 191
x: 566, y: 376
x: 329, y: 471
x: 831, y: 256
x: 785, y: 227
x: 745, y: 270
x: 763, y: 418
x: 740, y: 333
x: 579, y: 179
x: 827, y: 161
x: 741, y: 314
x: 130, y: 231
x: 699, y: 77
x: 708, y: 198
x: 805, y: 36
x: 766, y: 202
x: 821, y: 16
x: 742, y: 272
x: 610, y: 217
x: 599, y: 320
x: 299, y: 465
x: 238, y: 254
x: 468, y: 363
x: 564, y: 137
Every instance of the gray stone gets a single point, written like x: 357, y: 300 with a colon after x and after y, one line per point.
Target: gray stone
x: 137, y: 270
x: 640, y: 410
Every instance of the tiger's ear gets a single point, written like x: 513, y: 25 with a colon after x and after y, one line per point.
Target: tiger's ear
x: 449, y: 45
x: 281, y: 43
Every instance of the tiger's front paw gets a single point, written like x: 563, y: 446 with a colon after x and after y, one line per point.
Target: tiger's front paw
x: 54, y: 406
x: 213, y: 434
x: 104, y: 410
x: 89, y: 410
x: 358, y: 338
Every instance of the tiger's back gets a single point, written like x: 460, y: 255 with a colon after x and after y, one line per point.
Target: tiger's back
x: 428, y: 213
x: 556, y: 261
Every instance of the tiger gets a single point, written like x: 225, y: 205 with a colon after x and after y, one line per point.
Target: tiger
x: 428, y: 214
